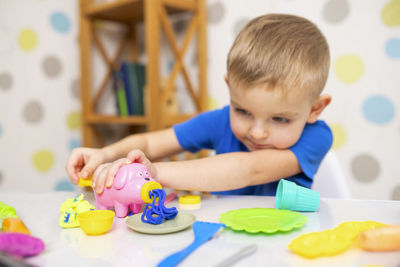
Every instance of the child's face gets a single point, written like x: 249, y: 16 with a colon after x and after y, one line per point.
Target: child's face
x: 264, y: 119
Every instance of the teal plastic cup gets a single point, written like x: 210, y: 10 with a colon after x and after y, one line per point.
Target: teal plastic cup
x: 291, y: 196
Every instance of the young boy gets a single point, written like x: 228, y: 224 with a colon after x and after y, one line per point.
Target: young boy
x: 276, y: 70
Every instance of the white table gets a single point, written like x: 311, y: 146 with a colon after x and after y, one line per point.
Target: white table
x: 124, y: 247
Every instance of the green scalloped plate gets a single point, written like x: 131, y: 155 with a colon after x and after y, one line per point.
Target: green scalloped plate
x: 265, y: 220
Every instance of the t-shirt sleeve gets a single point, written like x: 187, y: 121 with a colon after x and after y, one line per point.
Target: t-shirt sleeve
x: 200, y: 131
x: 314, y: 143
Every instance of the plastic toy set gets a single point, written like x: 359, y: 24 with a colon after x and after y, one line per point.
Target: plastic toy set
x: 134, y: 186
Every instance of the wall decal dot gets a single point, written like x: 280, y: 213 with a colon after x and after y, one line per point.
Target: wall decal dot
x: 74, y: 120
x: 43, y: 160
x: 27, y: 40
x: 216, y: 12
x: 75, y: 89
x: 1, y: 177
x: 74, y: 143
x: 391, y: 13
x: 349, y: 68
x: 339, y: 135
x: 64, y: 185
x: 365, y: 168
x: 60, y: 22
x: 378, y: 109
x: 392, y: 48
x: 212, y: 103
x: 51, y: 66
x: 33, y: 112
x: 396, y: 193
x: 6, y: 81
x: 336, y: 11
x: 239, y: 25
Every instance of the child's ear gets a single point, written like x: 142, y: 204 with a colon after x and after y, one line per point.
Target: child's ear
x: 226, y: 79
x: 319, y: 105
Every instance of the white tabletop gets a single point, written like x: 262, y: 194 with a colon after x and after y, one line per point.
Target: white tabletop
x: 124, y: 247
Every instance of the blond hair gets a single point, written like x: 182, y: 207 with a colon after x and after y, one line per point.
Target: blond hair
x: 282, y: 51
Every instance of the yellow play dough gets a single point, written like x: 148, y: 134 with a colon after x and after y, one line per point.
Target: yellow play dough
x: 333, y: 241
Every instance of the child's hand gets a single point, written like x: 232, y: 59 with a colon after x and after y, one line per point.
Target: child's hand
x: 82, y: 162
x: 105, y: 173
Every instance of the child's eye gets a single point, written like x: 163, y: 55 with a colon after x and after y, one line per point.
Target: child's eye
x: 242, y: 111
x: 140, y: 174
x: 280, y: 119
x: 146, y: 173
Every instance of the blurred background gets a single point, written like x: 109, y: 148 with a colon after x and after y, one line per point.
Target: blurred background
x: 40, y: 73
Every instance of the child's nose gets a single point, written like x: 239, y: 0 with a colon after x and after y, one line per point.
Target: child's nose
x: 258, y: 132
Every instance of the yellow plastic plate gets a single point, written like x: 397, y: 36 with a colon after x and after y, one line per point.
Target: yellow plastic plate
x: 266, y: 220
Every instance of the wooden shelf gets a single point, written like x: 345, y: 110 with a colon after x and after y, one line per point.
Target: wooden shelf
x: 110, y: 119
x: 132, y: 10
x: 155, y: 16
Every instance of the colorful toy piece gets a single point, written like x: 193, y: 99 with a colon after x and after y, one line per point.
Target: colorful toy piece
x: 96, y: 222
x: 6, y: 212
x: 255, y: 220
x: 190, y: 202
x: 18, y: 244
x: 85, y: 182
x: 70, y: 210
x: 131, y: 187
x: 290, y: 196
x: 330, y: 242
x: 14, y: 225
x: 156, y: 213
x: 381, y: 239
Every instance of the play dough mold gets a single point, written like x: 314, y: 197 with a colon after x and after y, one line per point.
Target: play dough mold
x: 265, y: 220
x: 331, y: 242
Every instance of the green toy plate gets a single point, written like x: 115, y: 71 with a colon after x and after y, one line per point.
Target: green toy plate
x: 264, y: 220
x: 182, y: 221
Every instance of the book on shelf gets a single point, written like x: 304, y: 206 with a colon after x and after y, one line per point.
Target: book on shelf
x: 134, y: 79
x: 119, y: 90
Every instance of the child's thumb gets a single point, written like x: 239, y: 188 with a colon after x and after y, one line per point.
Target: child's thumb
x: 135, y: 156
x: 88, y: 170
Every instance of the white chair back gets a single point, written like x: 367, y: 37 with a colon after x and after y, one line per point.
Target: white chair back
x: 329, y: 180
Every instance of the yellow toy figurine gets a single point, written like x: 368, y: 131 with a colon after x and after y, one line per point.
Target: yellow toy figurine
x: 70, y: 210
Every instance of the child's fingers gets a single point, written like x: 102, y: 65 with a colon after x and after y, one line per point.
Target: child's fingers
x: 136, y: 156
x: 99, y: 178
x: 89, y: 168
x: 112, y: 170
x: 71, y: 167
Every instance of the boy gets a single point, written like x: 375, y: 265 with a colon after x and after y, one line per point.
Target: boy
x: 276, y: 70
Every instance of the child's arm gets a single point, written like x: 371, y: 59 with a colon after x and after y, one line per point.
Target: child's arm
x: 228, y: 171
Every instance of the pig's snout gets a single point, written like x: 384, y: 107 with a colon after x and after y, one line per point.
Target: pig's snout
x: 146, y: 188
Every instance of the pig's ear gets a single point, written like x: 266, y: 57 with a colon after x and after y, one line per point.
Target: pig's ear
x: 120, y: 178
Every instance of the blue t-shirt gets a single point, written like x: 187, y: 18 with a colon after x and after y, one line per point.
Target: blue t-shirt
x: 212, y: 130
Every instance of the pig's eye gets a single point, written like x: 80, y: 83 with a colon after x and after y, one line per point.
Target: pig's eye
x: 140, y: 174
x: 146, y: 173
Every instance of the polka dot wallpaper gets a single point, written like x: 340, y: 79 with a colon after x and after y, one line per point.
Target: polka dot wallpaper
x: 39, y: 85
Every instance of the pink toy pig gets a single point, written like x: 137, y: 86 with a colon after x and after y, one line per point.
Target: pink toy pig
x: 130, y: 189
